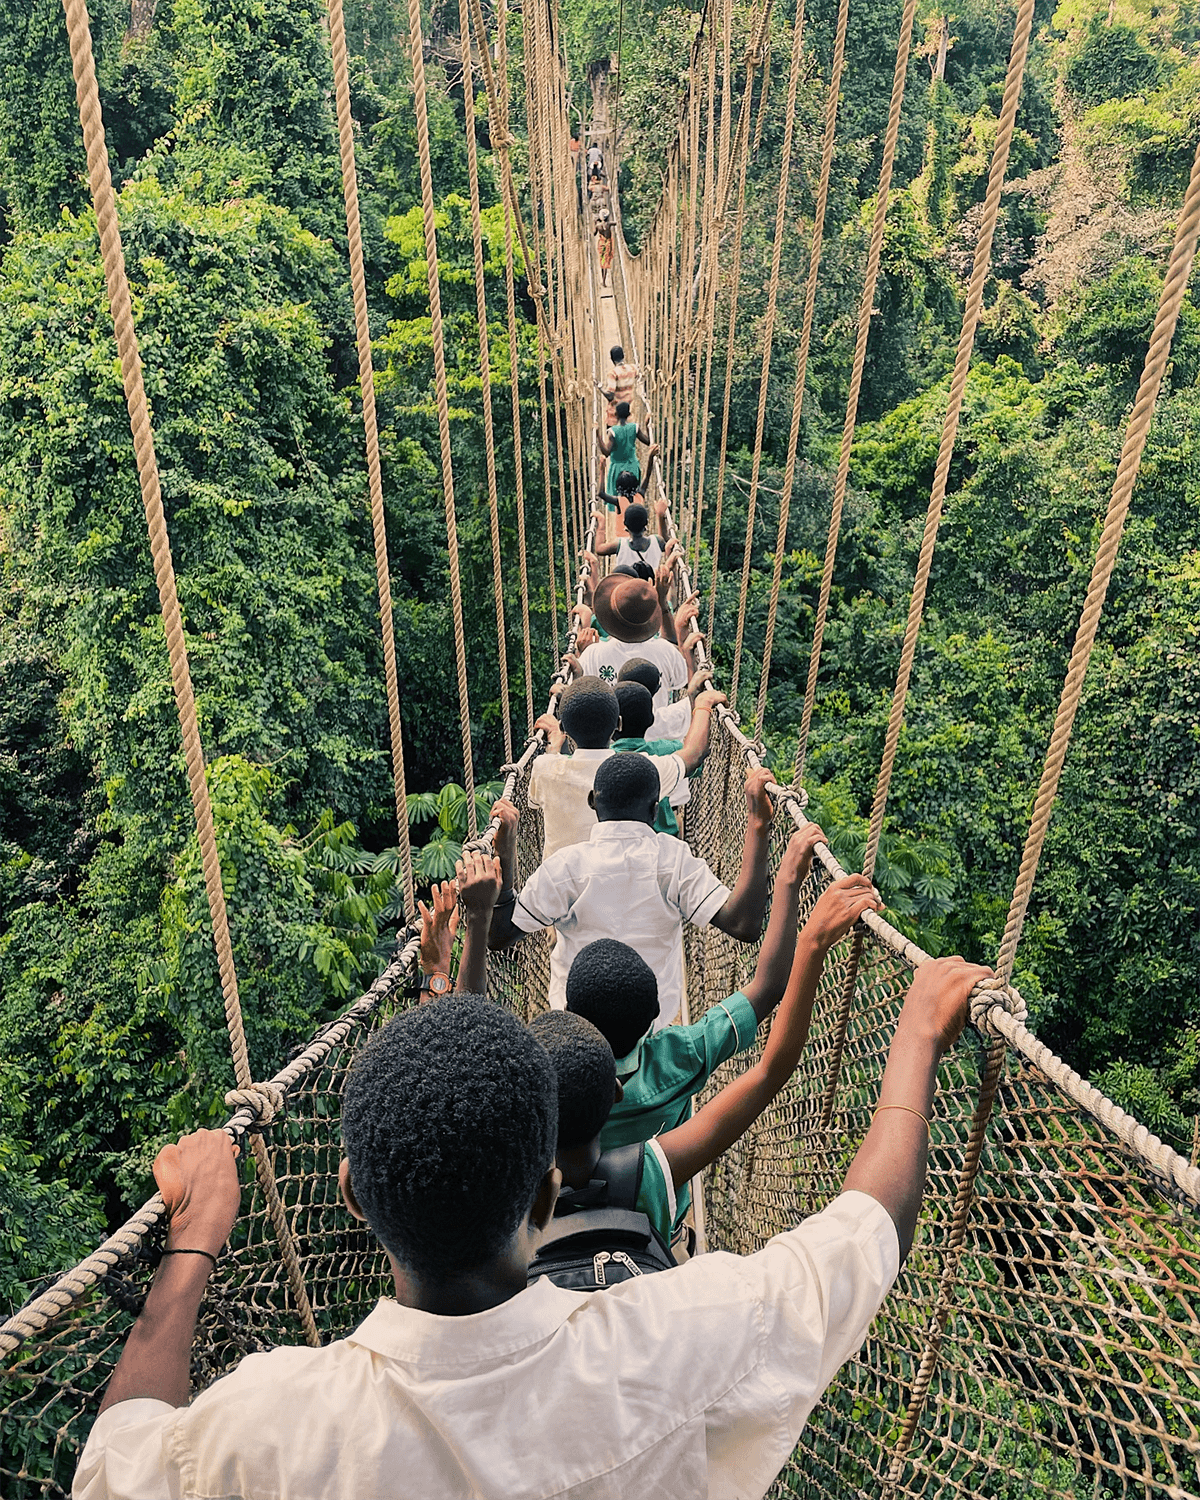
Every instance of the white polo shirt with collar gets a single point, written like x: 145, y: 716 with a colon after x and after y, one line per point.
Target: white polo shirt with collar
x: 627, y: 882
x: 689, y: 1383
x: 559, y: 786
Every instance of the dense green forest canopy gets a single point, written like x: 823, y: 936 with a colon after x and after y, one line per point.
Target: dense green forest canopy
x: 223, y: 146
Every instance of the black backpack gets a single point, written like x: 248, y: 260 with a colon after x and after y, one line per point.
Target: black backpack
x: 597, y: 1237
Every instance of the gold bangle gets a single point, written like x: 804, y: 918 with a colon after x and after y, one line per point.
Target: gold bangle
x: 908, y: 1110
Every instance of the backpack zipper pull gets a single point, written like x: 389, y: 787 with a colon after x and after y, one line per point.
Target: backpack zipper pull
x: 598, y: 1261
x: 626, y: 1260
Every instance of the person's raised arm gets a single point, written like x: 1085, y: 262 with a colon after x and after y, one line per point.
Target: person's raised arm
x: 556, y: 735
x: 502, y: 930
x: 663, y: 577
x: 694, y: 1145
x: 479, y: 880
x: 741, y: 916
x: 198, y: 1179
x: 766, y: 989
x: 890, y: 1164
x: 647, y: 475
x: 642, y: 435
x: 607, y: 549
x: 695, y: 745
x: 604, y: 443
x: 660, y: 506
x: 439, y: 923
x: 685, y: 619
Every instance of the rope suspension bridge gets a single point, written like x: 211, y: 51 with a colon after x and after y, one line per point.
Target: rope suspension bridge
x: 1044, y: 1336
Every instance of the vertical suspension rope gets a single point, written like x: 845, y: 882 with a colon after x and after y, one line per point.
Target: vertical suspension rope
x: 417, y: 50
x: 810, y: 304
x: 485, y: 362
x: 862, y: 338
x: 121, y: 307
x: 366, y: 381
x: 974, y: 302
x: 768, y: 334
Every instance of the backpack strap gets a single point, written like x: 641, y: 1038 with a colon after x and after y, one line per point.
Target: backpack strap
x: 621, y: 1168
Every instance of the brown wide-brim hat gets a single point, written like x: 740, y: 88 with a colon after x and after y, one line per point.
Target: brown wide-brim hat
x: 627, y: 608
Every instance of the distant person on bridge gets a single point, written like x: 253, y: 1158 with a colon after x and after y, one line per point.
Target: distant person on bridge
x: 637, y: 546
x: 595, y: 162
x: 604, y: 245
x: 619, y: 447
x: 631, y: 488
x: 622, y: 380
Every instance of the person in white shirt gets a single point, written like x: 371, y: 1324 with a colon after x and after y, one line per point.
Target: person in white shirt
x: 631, y: 883
x: 694, y: 1382
x: 590, y: 717
x: 632, y: 612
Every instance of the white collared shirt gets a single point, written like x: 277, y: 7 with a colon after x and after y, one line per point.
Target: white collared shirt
x: 627, y: 882
x: 559, y: 785
x: 671, y: 722
x: 606, y: 658
x: 687, y: 1383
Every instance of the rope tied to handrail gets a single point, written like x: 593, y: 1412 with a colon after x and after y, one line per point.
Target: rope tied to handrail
x: 264, y: 1100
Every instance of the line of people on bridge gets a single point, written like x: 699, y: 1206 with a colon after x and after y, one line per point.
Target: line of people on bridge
x: 550, y: 1332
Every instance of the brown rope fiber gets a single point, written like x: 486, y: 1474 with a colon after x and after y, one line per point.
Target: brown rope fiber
x: 104, y: 201
x: 810, y: 303
x: 366, y: 380
x: 862, y: 338
x: 768, y: 325
x: 417, y: 51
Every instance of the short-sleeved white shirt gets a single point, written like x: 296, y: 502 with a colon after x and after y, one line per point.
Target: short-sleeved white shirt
x: 606, y: 658
x: 671, y: 722
x: 691, y: 1383
x: 627, y: 882
x: 559, y: 786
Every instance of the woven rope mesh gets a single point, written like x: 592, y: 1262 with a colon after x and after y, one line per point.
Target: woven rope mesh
x: 1070, y: 1364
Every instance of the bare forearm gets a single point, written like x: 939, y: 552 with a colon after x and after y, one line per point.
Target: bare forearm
x: 890, y: 1164
x: 789, y: 1030
x: 741, y: 916
x: 472, y: 966
x: 668, y: 623
x: 778, y: 949
x: 695, y: 746
x: 156, y: 1360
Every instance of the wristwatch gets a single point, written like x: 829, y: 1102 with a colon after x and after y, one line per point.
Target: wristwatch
x: 435, y: 983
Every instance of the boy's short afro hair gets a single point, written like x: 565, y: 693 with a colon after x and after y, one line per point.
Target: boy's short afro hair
x: 638, y: 669
x: 637, y: 709
x: 636, y: 518
x: 626, y: 784
x: 622, y: 410
x: 588, y: 712
x: 636, y: 570
x: 587, y: 1075
x: 612, y: 986
x: 449, y: 1120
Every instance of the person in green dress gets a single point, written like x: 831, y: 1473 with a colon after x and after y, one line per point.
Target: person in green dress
x: 619, y: 447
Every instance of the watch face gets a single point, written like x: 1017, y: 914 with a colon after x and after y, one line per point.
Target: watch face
x: 439, y: 984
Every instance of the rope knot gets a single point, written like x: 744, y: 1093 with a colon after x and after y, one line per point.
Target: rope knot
x: 263, y: 1100
x: 995, y: 991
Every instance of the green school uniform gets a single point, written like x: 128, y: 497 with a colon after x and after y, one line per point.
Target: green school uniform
x: 664, y: 818
x: 666, y: 1068
x: 623, y: 458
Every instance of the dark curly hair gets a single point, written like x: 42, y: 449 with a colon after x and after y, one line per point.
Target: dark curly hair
x: 587, y: 1075
x: 588, y: 712
x: 449, y: 1120
x: 627, y: 483
x: 637, y: 709
x: 612, y: 986
x: 625, y: 786
x: 636, y: 517
x: 622, y: 411
x: 638, y: 669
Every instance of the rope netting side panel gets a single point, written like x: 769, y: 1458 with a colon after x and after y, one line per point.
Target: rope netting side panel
x: 1070, y: 1365
x: 51, y: 1385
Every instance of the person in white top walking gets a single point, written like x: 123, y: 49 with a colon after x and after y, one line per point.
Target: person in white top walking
x: 631, y: 883
x: 695, y: 1382
x: 590, y: 717
x: 637, y: 546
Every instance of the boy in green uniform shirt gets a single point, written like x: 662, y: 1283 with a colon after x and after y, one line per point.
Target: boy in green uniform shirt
x: 672, y: 1158
x: 637, y: 714
x: 613, y: 987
